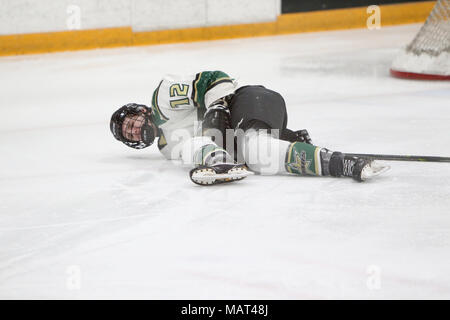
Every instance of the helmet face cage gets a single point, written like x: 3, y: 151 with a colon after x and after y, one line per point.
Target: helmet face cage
x: 147, y: 132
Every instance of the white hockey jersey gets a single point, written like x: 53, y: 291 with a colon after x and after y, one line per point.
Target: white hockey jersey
x: 179, y: 103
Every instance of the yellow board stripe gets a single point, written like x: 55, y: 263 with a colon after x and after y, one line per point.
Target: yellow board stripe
x: 353, y: 17
x: 285, y: 24
x: 66, y: 40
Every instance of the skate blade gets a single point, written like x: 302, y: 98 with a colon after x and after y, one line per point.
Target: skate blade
x: 209, y: 177
x: 373, y: 170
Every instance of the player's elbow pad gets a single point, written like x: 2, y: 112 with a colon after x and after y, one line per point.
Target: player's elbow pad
x: 216, y: 121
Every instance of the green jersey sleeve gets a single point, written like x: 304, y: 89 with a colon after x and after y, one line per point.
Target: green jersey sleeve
x: 208, y: 85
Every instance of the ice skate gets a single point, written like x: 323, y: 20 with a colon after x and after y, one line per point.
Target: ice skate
x: 219, y: 173
x: 361, y: 169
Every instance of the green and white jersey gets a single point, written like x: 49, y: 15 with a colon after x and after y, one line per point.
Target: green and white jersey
x: 179, y: 103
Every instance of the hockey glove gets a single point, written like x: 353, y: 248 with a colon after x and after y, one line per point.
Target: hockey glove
x: 296, y: 136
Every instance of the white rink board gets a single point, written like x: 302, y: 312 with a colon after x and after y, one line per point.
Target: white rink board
x: 82, y: 216
x: 35, y: 16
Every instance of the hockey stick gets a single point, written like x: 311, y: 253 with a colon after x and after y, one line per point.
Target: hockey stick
x: 393, y: 157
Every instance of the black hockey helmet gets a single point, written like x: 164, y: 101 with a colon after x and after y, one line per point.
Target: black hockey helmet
x: 147, y: 128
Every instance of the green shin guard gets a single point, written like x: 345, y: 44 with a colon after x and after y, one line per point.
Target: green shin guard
x: 304, y: 159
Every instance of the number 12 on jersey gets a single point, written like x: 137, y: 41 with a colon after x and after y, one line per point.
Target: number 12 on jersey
x: 179, y: 90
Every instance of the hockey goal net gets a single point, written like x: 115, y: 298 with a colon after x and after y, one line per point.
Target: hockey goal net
x: 428, y: 55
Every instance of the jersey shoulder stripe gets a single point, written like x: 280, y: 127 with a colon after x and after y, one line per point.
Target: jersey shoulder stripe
x: 205, y: 81
x: 218, y: 81
x: 158, y: 117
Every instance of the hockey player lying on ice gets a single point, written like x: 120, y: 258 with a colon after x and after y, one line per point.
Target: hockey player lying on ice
x: 191, y: 115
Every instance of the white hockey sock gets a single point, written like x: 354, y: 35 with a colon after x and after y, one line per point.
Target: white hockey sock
x: 263, y: 153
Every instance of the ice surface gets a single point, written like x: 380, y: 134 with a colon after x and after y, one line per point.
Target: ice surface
x: 83, y: 216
